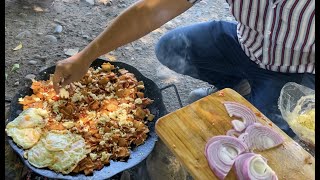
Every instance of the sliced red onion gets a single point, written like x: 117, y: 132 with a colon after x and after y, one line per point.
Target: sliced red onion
x: 250, y: 166
x: 238, y: 125
x: 239, y: 110
x: 233, y: 133
x: 221, y: 152
x: 243, y: 137
x: 212, y: 140
x: 260, y: 137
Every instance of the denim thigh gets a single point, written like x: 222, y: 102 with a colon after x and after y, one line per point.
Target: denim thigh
x: 208, y: 51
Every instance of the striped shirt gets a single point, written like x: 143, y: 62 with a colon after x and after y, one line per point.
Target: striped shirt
x: 279, y: 35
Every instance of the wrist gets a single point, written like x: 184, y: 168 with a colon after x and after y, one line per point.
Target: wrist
x: 84, y: 58
x: 89, y: 53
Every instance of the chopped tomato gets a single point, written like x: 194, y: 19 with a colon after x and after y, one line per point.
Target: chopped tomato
x: 82, y: 115
x: 55, y: 98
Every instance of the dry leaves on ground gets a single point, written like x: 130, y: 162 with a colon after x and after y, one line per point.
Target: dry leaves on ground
x: 18, y: 47
x: 37, y: 9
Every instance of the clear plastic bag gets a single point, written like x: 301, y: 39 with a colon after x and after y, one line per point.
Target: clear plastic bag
x: 297, y: 102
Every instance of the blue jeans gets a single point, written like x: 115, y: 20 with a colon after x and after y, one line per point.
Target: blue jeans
x: 211, y: 52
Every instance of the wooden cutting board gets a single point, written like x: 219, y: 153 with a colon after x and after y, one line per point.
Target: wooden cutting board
x: 187, y: 130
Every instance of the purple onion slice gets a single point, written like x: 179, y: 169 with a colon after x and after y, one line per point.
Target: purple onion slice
x: 260, y: 137
x: 221, y: 152
x: 250, y: 166
x: 239, y: 110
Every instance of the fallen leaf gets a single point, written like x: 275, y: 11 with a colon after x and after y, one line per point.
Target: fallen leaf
x: 37, y: 9
x: 15, y: 67
x: 110, y: 57
x: 18, y: 47
x: 6, y: 76
x: 103, y: 1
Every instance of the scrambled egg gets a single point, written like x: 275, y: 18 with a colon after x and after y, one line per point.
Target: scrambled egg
x: 64, y: 93
x: 307, y: 120
x: 304, y: 126
x: 68, y: 124
x: 26, y: 130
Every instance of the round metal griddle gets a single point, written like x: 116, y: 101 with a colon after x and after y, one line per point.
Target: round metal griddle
x: 138, y: 154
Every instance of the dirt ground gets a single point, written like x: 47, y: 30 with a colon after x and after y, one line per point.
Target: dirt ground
x: 49, y: 30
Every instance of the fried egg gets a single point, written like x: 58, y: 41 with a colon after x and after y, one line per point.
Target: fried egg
x: 25, y: 130
x: 64, y: 155
x: 57, y: 140
x: 39, y: 156
x: 30, y: 118
x: 68, y: 159
x: 26, y: 138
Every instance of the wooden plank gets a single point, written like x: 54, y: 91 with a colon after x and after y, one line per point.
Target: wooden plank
x: 187, y: 130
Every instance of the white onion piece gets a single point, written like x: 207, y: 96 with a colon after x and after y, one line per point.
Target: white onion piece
x: 221, y: 152
x: 233, y: 133
x: 250, y: 166
x: 239, y: 110
x: 260, y: 137
x: 238, y: 125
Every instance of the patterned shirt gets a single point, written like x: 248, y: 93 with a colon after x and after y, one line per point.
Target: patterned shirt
x: 279, y: 35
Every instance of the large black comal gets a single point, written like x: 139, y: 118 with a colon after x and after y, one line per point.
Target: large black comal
x: 138, y: 154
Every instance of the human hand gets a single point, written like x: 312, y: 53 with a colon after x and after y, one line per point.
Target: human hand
x: 69, y: 70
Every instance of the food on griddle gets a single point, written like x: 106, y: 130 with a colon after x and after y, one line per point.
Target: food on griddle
x: 26, y: 130
x: 26, y: 138
x: 39, y: 156
x: 67, y: 159
x: 92, y: 121
x: 30, y: 118
x: 60, y: 151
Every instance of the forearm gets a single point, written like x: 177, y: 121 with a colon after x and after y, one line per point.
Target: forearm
x: 135, y: 22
